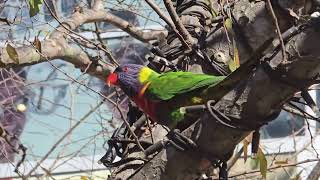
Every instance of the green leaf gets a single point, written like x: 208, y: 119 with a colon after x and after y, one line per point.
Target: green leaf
x: 12, y: 53
x: 263, y: 163
x: 34, y: 6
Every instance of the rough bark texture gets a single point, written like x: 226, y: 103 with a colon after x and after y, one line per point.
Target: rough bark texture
x: 253, y: 100
x: 315, y: 173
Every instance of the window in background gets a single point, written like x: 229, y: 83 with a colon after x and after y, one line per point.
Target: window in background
x: 67, y: 6
x: 285, y: 125
x: 53, y: 6
x: 123, y: 14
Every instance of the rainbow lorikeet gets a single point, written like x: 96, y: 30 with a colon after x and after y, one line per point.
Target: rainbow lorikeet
x: 161, y: 96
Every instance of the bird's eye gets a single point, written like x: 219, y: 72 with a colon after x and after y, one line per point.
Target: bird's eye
x: 125, y: 69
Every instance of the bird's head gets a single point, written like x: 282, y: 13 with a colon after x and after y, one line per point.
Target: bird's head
x: 131, y: 78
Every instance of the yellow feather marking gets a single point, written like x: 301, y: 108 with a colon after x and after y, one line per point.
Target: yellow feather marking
x: 144, y: 74
x: 196, y: 100
x: 143, y: 90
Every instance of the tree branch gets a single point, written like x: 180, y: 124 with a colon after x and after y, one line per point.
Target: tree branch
x: 253, y: 99
x: 177, y: 22
x: 53, y: 49
x: 169, y: 22
x: 89, y: 16
x: 315, y: 173
x: 97, y: 5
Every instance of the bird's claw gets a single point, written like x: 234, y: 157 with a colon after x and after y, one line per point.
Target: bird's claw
x: 180, y: 140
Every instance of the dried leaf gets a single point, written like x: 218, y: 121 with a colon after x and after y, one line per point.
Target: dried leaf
x: 246, y: 141
x: 12, y: 53
x: 236, y: 55
x: 5, y: 20
x: 297, y: 176
x: 84, y: 178
x: 262, y: 163
x: 37, y: 44
x: 281, y: 162
x: 235, y: 62
x: 228, y: 25
x: 249, y: 137
x: 35, y: 6
x: 245, y: 149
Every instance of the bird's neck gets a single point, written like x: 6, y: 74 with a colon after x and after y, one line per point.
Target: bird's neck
x: 146, y: 75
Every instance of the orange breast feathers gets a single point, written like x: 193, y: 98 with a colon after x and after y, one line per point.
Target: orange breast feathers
x: 146, y: 105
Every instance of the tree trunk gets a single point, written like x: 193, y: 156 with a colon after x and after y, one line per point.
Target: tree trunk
x: 254, y: 100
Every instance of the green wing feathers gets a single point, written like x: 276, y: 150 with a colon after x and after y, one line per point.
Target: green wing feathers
x: 170, y: 84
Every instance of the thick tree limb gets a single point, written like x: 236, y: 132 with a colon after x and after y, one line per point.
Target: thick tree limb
x: 260, y: 97
x: 97, y: 5
x: 254, y: 100
x: 315, y: 173
x: 53, y: 49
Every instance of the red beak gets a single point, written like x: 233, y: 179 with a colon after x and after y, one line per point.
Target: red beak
x: 112, y: 79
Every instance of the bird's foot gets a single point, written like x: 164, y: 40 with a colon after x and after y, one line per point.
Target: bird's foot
x: 180, y: 141
x: 175, y: 139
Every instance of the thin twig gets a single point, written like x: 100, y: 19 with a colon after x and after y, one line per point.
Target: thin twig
x: 177, y: 22
x: 311, y: 138
x: 284, y: 57
x: 150, y: 129
x: 63, y: 137
x: 106, y: 50
x: 275, y: 167
x: 156, y: 8
x: 8, y: 139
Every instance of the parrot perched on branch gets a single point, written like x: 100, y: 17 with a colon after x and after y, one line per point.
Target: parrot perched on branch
x: 161, y: 96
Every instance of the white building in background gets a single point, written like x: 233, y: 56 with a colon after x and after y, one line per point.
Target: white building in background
x: 48, y: 115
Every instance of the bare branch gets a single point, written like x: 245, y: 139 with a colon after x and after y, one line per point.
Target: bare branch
x: 276, y: 167
x: 53, y: 49
x: 278, y: 29
x: 89, y: 16
x: 156, y: 8
x: 176, y: 20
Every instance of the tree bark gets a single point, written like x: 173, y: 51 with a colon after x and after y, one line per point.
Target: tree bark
x: 315, y: 173
x: 253, y: 100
